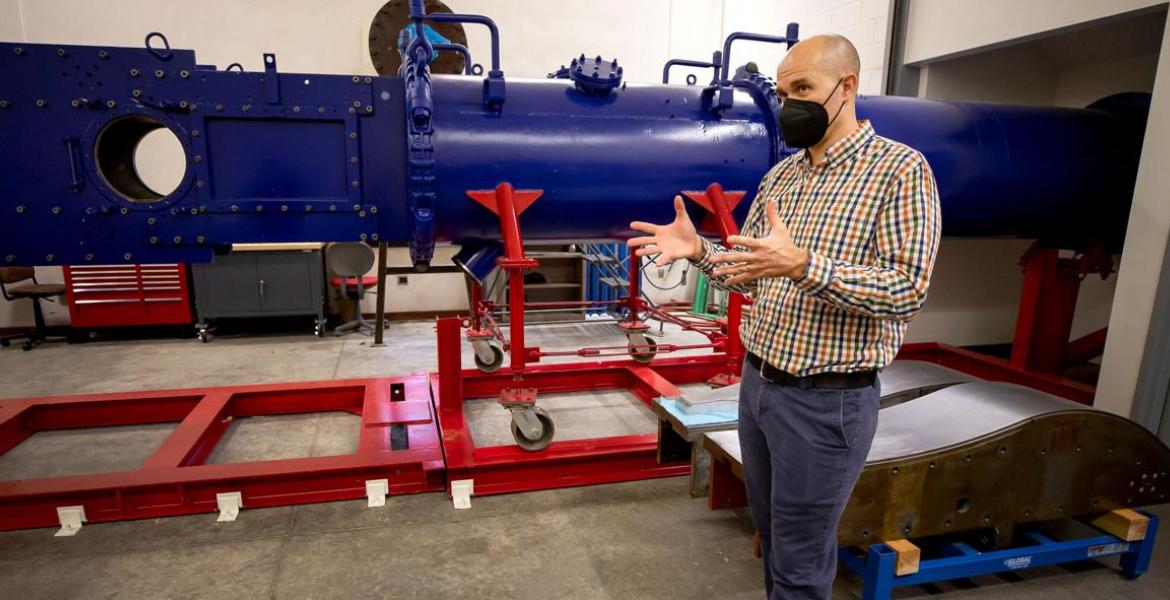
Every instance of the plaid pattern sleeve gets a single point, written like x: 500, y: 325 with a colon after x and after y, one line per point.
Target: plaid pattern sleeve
x: 905, y: 244
x: 751, y: 228
x: 704, y: 263
x: 869, y: 215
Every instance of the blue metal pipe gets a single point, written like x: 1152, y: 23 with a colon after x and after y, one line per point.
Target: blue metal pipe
x: 790, y: 37
x: 458, y: 49
x: 716, y: 63
x: 417, y: 12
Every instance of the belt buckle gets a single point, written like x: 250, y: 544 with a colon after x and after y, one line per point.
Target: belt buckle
x: 764, y: 368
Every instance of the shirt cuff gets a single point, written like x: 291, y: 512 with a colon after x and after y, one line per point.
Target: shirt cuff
x: 818, y: 276
x: 708, y: 249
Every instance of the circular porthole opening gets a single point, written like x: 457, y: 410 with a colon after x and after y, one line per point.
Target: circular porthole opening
x: 140, y: 158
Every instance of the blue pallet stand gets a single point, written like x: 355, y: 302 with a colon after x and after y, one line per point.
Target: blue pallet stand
x: 960, y: 560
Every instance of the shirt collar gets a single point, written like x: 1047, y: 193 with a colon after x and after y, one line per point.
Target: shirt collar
x: 845, y: 147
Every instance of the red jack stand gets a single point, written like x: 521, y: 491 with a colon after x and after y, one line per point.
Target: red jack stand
x: 532, y: 428
x: 720, y: 205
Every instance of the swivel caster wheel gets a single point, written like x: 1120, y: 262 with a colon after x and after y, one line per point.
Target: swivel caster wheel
x: 532, y: 428
x: 319, y: 329
x: 646, y: 352
x: 488, y: 356
x: 5, y: 343
x: 204, y: 336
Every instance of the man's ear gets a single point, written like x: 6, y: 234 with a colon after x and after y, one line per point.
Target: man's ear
x: 849, y: 84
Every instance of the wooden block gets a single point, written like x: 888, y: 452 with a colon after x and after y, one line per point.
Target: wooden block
x: 1124, y: 523
x: 908, y: 556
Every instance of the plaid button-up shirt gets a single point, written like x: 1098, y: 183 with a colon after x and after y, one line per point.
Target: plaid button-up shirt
x: 869, y: 216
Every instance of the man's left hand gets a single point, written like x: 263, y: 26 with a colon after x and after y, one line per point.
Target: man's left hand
x: 773, y: 256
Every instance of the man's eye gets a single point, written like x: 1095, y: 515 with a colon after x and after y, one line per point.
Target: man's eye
x: 802, y: 88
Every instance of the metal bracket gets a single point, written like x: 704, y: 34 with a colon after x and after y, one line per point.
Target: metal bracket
x: 376, y: 491
x: 229, y: 504
x: 71, y: 518
x: 461, y: 492
x: 271, y: 79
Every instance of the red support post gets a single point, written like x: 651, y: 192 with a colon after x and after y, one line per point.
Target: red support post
x: 450, y: 365
x: 635, y: 286
x: 1047, y: 305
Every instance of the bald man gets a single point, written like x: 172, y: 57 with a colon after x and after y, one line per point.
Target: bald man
x: 836, y: 253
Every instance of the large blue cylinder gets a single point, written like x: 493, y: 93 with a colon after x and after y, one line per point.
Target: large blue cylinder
x: 1059, y: 174
x: 601, y: 161
x: 1062, y: 175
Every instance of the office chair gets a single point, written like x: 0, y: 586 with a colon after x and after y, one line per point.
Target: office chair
x: 34, y: 291
x: 349, y: 262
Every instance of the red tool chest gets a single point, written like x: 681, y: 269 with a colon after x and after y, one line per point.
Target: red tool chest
x: 117, y: 295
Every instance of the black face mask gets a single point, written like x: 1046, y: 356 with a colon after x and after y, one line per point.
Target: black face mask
x: 803, y: 123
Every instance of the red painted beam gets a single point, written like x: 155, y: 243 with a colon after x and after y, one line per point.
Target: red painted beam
x: 195, y: 437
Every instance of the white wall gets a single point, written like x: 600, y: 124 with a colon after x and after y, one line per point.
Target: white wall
x: 941, y: 28
x: 1080, y: 85
x: 1018, y: 75
x: 865, y: 22
x: 1141, y: 261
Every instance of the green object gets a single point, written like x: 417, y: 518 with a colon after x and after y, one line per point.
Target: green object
x: 702, y: 291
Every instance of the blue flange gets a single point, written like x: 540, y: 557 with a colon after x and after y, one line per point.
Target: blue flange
x: 594, y: 76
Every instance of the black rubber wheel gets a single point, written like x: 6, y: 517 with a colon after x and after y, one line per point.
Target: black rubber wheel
x: 540, y: 442
x: 5, y: 343
x: 494, y: 365
x: 644, y: 356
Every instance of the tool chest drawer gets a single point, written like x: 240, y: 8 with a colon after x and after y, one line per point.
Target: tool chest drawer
x: 120, y: 295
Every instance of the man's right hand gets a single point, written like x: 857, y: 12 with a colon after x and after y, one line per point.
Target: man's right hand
x: 670, y: 242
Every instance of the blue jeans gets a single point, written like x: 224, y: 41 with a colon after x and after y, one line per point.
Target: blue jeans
x: 803, y: 450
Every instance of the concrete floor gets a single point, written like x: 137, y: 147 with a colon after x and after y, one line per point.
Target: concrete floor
x: 634, y: 540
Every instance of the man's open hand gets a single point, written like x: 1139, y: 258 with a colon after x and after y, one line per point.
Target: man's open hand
x: 670, y: 242
x: 773, y: 256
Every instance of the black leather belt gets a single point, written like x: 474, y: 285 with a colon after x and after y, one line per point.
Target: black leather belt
x: 819, y: 380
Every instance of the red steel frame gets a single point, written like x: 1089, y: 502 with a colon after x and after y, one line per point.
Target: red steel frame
x: 504, y: 469
x: 176, y: 480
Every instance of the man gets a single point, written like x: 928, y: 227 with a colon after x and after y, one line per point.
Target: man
x: 836, y: 252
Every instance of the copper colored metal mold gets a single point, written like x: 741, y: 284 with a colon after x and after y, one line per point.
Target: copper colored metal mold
x: 992, y: 455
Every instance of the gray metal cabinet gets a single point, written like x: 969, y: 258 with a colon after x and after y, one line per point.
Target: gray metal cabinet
x: 264, y: 283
